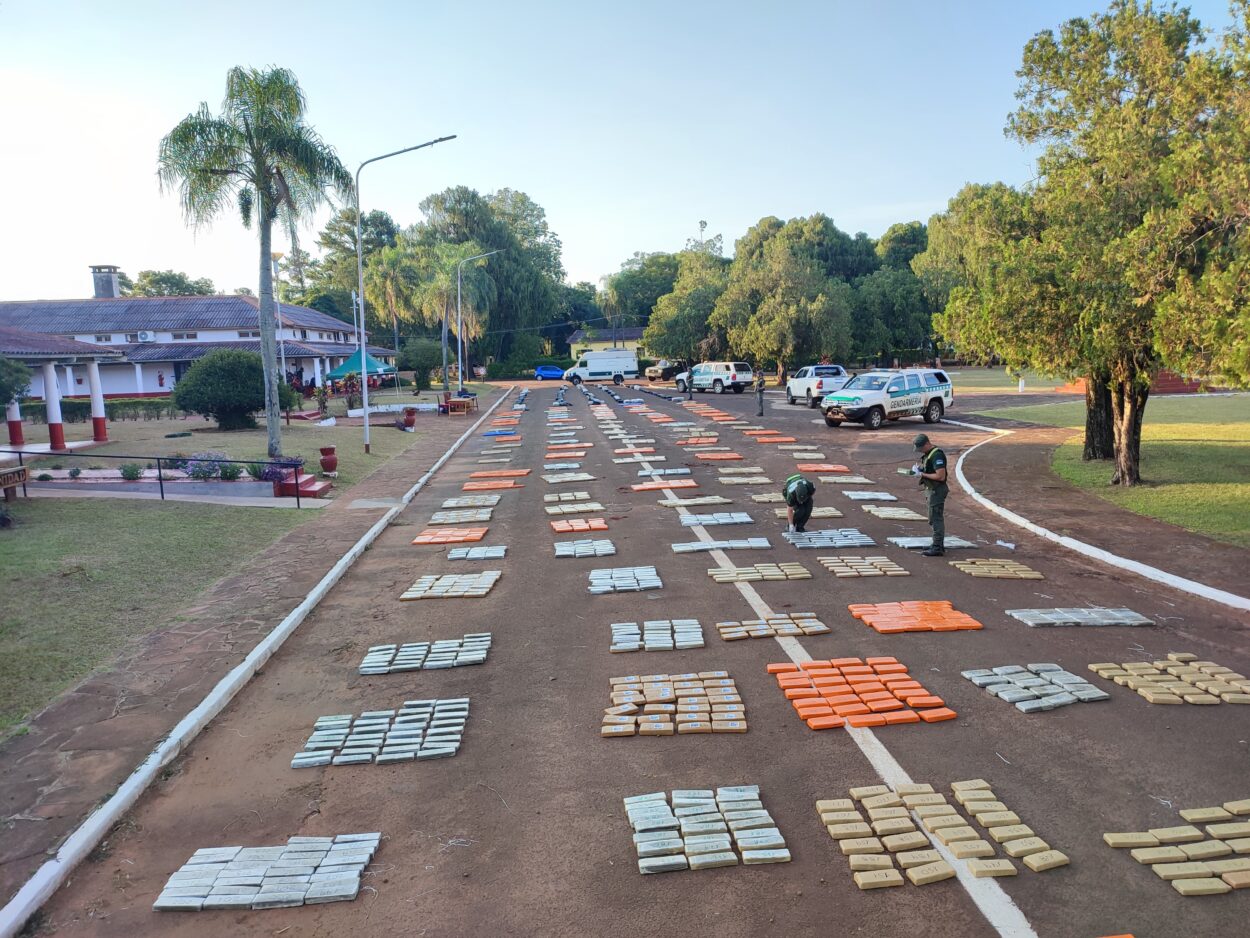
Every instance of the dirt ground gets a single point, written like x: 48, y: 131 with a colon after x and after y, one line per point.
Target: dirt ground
x: 523, y: 832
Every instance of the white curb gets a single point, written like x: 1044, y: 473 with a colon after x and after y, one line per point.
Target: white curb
x: 1223, y: 597
x: 52, y: 874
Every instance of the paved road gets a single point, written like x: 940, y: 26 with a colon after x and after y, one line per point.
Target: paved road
x: 523, y: 833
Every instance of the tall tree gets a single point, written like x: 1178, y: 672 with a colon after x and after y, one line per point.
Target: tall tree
x: 901, y: 242
x: 336, y: 269
x: 640, y: 282
x: 892, y: 316
x: 527, y: 220
x: 679, y: 326
x: 169, y: 283
x: 260, y: 155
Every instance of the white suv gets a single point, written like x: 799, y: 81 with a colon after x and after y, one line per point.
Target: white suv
x: 813, y: 382
x: 874, y: 397
x: 716, y: 376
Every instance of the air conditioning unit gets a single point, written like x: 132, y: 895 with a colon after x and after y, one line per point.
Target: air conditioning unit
x: 146, y: 336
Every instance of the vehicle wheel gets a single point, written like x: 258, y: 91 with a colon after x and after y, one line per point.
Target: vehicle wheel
x: 789, y: 397
x: 718, y: 386
x: 681, y: 387
x: 808, y: 396
x: 874, y: 419
x: 933, y: 413
x: 831, y: 422
x: 618, y: 380
x: 538, y: 377
x: 739, y: 388
x: 576, y: 379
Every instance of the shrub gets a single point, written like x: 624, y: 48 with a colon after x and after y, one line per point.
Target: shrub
x: 421, y: 356
x: 271, y: 472
x: 204, y: 466
x: 43, y: 477
x: 288, y: 397
x: 177, y: 461
x: 256, y: 470
x: 15, y: 378
x: 132, y: 471
x: 75, y: 472
x: 230, y: 471
x: 226, y: 385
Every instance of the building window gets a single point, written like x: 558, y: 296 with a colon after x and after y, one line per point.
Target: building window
x: 249, y: 334
x: 104, y: 338
x: 184, y: 336
x: 132, y: 337
x: 303, y: 333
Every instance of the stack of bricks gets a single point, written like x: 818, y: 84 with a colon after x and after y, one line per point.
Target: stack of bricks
x: 792, y: 624
x: 1005, y: 828
x: 664, y: 704
x: 701, y: 829
x: 1196, y: 864
x: 760, y: 571
x: 848, y: 691
x: 889, y: 618
x: 889, y: 834
x: 1179, y: 678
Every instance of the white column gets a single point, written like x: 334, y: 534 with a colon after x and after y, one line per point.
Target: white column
x: 138, y: 378
x: 99, y: 426
x: 69, y: 381
x: 317, y: 370
x: 52, y: 405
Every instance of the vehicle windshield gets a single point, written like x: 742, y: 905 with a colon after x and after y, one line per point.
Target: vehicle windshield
x: 867, y: 383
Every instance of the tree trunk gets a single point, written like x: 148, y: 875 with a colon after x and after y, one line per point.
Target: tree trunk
x: 1099, y: 435
x: 1128, y: 405
x: 266, y: 322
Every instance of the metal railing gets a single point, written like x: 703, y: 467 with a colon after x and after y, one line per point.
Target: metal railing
x: 163, y: 461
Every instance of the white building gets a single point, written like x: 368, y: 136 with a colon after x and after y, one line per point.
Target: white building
x: 160, y: 337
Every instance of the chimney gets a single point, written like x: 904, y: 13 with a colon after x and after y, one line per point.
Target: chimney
x: 104, y: 276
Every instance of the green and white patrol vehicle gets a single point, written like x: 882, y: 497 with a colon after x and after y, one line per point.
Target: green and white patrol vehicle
x: 873, y: 397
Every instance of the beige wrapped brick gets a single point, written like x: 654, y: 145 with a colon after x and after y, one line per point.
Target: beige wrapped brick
x: 1129, y: 840
x: 972, y: 849
x: 909, y: 858
x: 911, y: 841
x: 878, y: 879
x: 1191, y: 870
x: 864, y: 862
x: 930, y: 873
x: 1046, y: 860
x: 986, y: 868
x: 1201, y: 887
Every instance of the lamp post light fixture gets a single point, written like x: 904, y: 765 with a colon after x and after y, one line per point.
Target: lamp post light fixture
x: 460, y: 319
x: 360, y: 278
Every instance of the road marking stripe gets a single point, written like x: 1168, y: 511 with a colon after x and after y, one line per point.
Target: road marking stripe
x: 999, y: 909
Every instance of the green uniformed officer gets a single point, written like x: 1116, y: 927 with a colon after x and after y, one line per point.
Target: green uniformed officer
x: 932, y: 472
x: 798, y: 492
x: 759, y: 394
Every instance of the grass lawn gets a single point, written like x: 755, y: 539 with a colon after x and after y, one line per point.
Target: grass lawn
x: 1195, y: 460
x: 973, y: 379
x: 94, y: 574
x: 301, y: 438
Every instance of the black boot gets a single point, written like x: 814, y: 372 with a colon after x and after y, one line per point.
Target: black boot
x: 936, y: 549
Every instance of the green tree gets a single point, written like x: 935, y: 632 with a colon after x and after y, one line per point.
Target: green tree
x: 527, y: 220
x: 15, y: 378
x: 679, y: 326
x: 336, y: 269
x: 227, y: 385
x: 168, y: 283
x: 901, y: 242
x: 421, y: 356
x: 641, y: 281
x: 243, y: 291
x: 260, y: 155
x: 891, y: 314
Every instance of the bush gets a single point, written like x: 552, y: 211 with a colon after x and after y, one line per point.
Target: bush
x: 421, y: 356
x: 121, y: 408
x: 177, y: 461
x: 204, y: 466
x: 227, y: 385
x: 132, y: 471
x: 230, y: 471
x: 288, y: 397
x: 75, y: 472
x: 43, y: 477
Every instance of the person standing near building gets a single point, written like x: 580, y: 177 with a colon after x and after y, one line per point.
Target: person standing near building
x: 932, y: 472
x: 798, y: 492
x: 759, y: 393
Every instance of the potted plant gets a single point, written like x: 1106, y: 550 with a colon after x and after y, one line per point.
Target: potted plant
x: 410, y: 417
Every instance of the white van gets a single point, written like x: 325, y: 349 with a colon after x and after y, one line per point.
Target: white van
x: 614, y: 365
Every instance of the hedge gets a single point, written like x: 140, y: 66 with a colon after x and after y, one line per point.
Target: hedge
x: 118, y: 408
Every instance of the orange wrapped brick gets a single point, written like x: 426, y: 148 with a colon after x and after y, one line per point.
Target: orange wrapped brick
x: 449, y: 535
x: 500, y: 473
x: 825, y: 723
x: 846, y: 691
x: 486, y: 486
x: 866, y: 719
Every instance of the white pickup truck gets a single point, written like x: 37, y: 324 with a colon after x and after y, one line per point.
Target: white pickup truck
x: 873, y: 397
x: 813, y: 382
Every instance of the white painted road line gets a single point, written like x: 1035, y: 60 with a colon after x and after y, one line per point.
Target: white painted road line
x: 999, y: 909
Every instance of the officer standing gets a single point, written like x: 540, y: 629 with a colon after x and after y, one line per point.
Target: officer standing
x: 932, y: 472
x: 798, y: 492
x: 759, y: 393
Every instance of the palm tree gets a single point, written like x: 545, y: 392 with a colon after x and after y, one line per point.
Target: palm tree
x: 435, y: 295
x: 259, y: 155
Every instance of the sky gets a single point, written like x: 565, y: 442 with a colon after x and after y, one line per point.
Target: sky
x: 628, y: 123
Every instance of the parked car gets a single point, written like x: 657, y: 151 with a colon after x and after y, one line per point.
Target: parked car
x: 813, y: 382
x: 549, y: 373
x: 716, y: 376
x: 874, y: 397
x: 665, y: 369
x: 614, y: 365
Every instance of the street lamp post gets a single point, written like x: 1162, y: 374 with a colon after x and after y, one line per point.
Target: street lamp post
x: 460, y: 320
x: 360, y: 278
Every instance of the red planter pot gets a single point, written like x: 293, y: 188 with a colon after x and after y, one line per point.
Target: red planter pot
x: 329, y: 459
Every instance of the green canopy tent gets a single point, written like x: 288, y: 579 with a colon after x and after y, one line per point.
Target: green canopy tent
x: 352, y: 367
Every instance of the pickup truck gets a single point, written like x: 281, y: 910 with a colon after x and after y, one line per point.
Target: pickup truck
x: 665, y: 369
x: 813, y: 382
x: 873, y: 397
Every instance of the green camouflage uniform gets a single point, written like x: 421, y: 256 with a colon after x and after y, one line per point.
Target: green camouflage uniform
x: 798, y: 493
x: 931, y: 462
